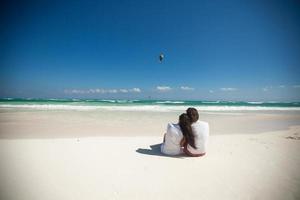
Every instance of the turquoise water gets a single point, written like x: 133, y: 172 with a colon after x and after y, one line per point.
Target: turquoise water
x: 151, y: 105
x: 142, y: 102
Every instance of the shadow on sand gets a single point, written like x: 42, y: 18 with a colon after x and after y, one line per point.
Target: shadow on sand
x: 154, y: 150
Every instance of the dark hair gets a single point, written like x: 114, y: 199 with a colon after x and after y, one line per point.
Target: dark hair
x: 193, y: 114
x: 185, y: 126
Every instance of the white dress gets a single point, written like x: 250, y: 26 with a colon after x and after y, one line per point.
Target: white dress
x: 201, y: 132
x: 173, y: 137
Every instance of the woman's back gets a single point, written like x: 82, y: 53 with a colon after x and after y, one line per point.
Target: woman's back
x: 173, y: 137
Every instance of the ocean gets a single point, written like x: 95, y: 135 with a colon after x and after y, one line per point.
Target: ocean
x: 144, y: 105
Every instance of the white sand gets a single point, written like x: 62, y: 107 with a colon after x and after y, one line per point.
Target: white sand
x: 16, y: 124
x: 249, y: 166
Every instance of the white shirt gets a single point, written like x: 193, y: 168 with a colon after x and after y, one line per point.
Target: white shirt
x: 201, y: 132
x: 173, y: 136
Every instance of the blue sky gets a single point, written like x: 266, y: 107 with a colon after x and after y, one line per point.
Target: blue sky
x: 214, y: 50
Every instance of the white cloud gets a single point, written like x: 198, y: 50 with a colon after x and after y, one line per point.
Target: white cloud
x: 267, y: 88
x: 135, y: 90
x: 281, y: 86
x: 211, y: 91
x: 296, y: 86
x: 112, y: 91
x: 123, y: 90
x: 186, y: 88
x: 228, y: 89
x: 163, y: 88
x: 75, y: 91
x: 102, y: 91
x: 93, y: 91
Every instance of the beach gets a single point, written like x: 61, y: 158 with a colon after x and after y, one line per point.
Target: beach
x: 114, y: 154
x: 24, y: 123
x: 89, y: 88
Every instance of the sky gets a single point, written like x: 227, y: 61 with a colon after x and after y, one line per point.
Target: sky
x: 214, y: 50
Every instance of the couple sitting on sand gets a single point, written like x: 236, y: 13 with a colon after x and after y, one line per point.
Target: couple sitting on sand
x: 189, y: 136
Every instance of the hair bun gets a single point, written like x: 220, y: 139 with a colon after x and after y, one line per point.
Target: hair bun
x: 193, y: 114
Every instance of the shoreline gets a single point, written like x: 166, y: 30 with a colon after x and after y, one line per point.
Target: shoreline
x: 67, y: 124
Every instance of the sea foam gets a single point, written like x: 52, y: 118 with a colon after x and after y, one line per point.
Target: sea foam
x: 150, y: 108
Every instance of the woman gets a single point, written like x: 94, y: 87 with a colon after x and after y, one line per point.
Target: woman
x: 197, y: 138
x: 174, y: 137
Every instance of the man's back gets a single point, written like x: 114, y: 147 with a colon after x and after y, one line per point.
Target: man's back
x: 201, y: 132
